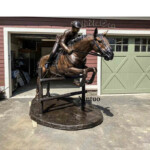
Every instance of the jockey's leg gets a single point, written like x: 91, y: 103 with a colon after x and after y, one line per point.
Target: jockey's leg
x: 52, y: 54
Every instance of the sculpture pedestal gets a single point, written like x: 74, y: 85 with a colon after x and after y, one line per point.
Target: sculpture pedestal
x: 65, y: 114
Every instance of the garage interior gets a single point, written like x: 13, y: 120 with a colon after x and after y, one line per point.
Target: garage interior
x: 26, y: 51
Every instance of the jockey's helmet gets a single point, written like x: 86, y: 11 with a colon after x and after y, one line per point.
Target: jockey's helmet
x: 76, y: 24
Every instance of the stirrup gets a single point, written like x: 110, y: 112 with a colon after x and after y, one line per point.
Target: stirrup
x: 47, y: 65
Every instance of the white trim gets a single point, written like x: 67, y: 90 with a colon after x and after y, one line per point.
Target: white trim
x: 126, y: 32
x: 38, y: 30
x: 7, y: 57
x: 103, y: 17
x: 7, y: 50
x: 91, y: 87
x: 134, y: 94
x: 99, y: 75
x: 2, y: 88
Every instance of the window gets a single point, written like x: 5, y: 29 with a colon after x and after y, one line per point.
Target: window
x: 119, y: 44
x: 125, y: 44
x: 142, y: 45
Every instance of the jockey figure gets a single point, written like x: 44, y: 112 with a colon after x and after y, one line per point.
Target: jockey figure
x: 62, y: 42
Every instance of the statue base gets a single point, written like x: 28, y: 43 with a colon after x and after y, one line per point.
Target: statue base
x: 66, y: 114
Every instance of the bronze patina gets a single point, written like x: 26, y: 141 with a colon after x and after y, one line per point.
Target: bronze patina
x: 63, y: 40
x: 58, y: 111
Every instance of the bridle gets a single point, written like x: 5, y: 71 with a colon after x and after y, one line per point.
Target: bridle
x: 94, y: 53
x: 98, y: 47
x: 90, y: 53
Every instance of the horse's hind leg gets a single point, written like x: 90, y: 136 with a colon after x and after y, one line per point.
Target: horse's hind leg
x: 48, y: 88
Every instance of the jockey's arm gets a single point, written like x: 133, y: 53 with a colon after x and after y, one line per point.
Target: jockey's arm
x: 62, y: 43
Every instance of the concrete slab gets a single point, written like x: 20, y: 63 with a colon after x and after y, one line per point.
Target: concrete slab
x: 126, y: 126
x: 57, y: 87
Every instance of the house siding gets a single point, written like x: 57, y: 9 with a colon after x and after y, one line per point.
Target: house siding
x: 2, y: 83
x: 47, y: 22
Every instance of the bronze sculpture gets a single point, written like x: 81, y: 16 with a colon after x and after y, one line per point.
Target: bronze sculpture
x: 62, y: 42
x: 70, y: 66
x: 74, y: 64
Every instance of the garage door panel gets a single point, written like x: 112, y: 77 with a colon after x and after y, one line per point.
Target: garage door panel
x: 115, y: 66
x: 123, y: 66
x: 143, y: 62
x: 106, y: 67
x: 128, y: 72
x: 144, y: 83
x: 148, y: 73
x: 110, y: 79
x: 114, y: 83
x: 144, y: 79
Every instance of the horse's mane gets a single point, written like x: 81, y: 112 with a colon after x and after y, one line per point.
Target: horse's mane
x: 77, y: 39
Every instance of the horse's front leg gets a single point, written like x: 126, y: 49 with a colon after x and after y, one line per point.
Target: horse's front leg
x: 77, y: 71
x: 94, y: 70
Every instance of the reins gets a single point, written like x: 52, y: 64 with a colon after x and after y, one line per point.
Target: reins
x: 92, y: 53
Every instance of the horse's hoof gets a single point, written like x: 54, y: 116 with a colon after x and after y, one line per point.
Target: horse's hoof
x: 88, y: 82
x: 76, y: 83
x: 79, y: 84
x: 82, y: 84
x: 95, y: 69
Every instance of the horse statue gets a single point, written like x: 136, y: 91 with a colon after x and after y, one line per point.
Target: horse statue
x: 74, y: 64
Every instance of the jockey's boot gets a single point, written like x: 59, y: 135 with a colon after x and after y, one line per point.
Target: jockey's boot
x: 52, y: 54
x: 49, y: 61
x: 48, y: 64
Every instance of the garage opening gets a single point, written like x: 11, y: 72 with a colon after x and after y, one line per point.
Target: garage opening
x: 26, y: 50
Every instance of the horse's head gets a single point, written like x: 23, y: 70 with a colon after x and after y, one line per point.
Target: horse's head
x: 101, y: 45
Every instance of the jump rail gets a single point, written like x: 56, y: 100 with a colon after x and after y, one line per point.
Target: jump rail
x: 41, y: 97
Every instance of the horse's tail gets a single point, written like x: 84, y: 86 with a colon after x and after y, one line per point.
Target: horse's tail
x: 41, y: 63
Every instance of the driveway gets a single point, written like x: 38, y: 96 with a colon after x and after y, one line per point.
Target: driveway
x: 126, y: 126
